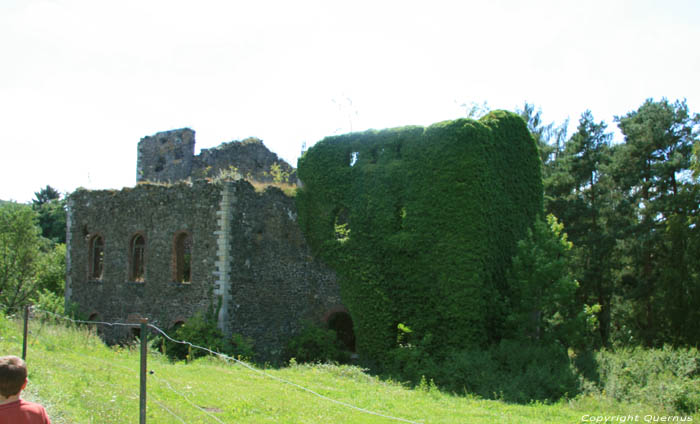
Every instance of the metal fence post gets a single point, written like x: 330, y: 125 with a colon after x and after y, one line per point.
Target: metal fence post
x: 26, y: 326
x: 144, y: 353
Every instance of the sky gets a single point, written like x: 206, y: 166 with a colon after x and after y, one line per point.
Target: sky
x: 82, y: 81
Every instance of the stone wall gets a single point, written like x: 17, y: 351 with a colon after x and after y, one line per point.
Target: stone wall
x: 275, y: 282
x: 249, y: 158
x: 166, y: 156
x: 169, y: 157
x: 247, y: 250
x: 156, y: 212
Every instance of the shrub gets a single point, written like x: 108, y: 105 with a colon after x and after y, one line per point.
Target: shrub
x: 241, y: 347
x: 201, y: 330
x: 511, y: 370
x: 316, y: 344
x: 668, y: 378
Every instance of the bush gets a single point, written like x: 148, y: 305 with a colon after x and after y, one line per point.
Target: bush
x: 201, y: 330
x: 666, y: 378
x: 316, y: 344
x: 49, y: 301
x: 511, y: 371
x: 241, y: 347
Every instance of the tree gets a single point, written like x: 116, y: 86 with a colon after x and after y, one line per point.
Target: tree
x: 45, y: 195
x: 51, y: 273
x: 652, y: 170
x: 51, y: 210
x: 581, y: 194
x: 549, y: 138
x: 19, y: 255
x: 543, y: 305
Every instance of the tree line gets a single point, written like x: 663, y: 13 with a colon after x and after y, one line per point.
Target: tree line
x: 33, y: 252
x: 630, y: 208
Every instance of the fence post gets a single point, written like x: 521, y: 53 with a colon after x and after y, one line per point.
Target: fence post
x: 26, y: 326
x: 144, y: 353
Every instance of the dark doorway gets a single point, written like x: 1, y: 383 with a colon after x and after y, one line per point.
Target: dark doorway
x: 341, y: 323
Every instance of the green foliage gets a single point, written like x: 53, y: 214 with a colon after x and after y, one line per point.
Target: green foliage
x: 230, y: 174
x: 278, y: 174
x: 47, y: 300
x: 580, y: 192
x: 667, y: 378
x: 66, y: 362
x: 241, y: 347
x: 631, y: 210
x: 201, y: 330
x: 315, y: 344
x: 51, y: 210
x: 659, y: 277
x: 52, y: 270
x: 514, y: 371
x: 433, y: 218
x: 543, y: 304
x: 45, y: 195
x: 19, y: 255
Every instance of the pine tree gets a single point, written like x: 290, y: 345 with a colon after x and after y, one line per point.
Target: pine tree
x: 652, y: 170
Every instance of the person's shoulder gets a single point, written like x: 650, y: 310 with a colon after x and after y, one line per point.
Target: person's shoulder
x: 24, y: 408
x: 11, y: 405
x: 25, y: 404
x: 34, y: 407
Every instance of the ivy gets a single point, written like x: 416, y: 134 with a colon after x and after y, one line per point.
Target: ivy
x: 421, y: 224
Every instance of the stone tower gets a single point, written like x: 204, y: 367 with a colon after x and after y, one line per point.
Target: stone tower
x: 166, y: 156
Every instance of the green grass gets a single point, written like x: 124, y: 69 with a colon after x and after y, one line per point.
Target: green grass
x: 80, y: 380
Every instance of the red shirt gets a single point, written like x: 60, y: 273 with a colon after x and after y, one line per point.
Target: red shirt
x: 23, y: 412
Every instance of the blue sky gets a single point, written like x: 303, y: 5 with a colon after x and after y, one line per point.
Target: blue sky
x: 82, y: 81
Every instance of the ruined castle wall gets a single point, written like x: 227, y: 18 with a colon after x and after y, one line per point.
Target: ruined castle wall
x: 247, y: 249
x: 169, y: 157
x: 166, y: 156
x: 249, y: 158
x: 275, y: 282
x: 157, y: 213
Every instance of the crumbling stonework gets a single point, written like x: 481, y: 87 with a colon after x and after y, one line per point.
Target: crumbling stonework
x: 247, y: 253
x: 249, y: 158
x: 166, y: 156
x: 169, y: 156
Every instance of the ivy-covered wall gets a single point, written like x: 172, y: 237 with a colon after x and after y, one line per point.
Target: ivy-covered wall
x: 421, y: 224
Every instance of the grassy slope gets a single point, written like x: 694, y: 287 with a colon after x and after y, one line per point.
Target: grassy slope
x: 82, y: 381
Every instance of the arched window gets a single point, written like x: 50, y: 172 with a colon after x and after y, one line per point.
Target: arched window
x: 182, y: 257
x: 96, y: 257
x: 137, y: 264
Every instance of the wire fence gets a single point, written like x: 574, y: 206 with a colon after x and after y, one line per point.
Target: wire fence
x: 144, y: 325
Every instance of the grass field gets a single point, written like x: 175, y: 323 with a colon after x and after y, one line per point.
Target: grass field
x: 81, y: 380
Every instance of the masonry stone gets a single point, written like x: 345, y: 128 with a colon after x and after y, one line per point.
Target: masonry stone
x: 247, y: 257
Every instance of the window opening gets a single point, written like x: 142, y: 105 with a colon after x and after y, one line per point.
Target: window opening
x: 97, y: 252
x: 138, y: 248
x: 183, y: 258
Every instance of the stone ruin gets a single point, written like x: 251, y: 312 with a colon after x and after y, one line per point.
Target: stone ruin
x: 194, y: 234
